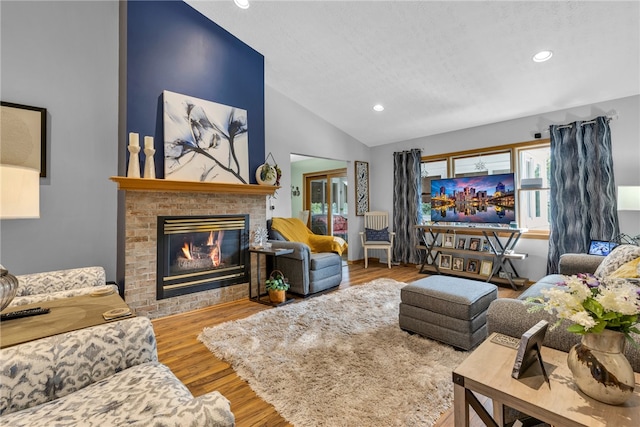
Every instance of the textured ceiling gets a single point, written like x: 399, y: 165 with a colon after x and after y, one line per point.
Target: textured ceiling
x: 437, y: 66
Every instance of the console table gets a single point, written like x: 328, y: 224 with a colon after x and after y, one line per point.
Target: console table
x: 500, y: 250
x: 67, y: 314
x: 487, y: 371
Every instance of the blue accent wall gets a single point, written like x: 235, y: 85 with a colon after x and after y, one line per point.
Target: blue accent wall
x: 171, y: 46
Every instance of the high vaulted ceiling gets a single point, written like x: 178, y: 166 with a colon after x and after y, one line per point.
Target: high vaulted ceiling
x: 437, y: 66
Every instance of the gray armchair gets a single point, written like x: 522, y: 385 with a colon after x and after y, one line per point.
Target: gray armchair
x: 308, y: 273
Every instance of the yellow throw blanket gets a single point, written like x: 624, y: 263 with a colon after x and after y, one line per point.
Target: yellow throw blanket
x: 294, y: 230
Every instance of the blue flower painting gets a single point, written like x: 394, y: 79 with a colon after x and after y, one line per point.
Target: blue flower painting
x: 204, y: 141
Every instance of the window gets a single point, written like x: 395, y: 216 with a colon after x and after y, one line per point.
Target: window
x: 430, y: 170
x: 529, y: 161
x: 533, y: 193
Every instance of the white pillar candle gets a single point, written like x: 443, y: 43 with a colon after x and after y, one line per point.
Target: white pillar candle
x: 134, y: 139
x: 148, y: 142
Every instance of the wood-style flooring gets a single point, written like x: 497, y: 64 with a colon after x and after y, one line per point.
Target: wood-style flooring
x: 202, y: 372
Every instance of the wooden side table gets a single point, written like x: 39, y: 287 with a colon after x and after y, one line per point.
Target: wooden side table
x: 260, y: 296
x: 487, y: 371
x: 67, y: 314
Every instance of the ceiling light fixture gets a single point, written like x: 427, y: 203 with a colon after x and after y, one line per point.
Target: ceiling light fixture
x: 242, y: 4
x: 378, y: 107
x: 543, y: 55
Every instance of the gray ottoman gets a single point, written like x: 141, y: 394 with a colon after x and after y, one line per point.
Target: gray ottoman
x: 448, y: 309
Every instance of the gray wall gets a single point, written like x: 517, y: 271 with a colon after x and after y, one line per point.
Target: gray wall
x: 290, y: 128
x: 64, y: 56
x: 625, y: 136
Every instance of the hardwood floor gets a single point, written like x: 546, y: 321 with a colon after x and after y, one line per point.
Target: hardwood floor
x: 202, y: 372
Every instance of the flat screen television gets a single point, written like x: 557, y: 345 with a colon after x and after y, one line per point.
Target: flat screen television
x: 487, y: 199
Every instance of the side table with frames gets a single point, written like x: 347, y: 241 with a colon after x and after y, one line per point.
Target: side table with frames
x: 487, y: 371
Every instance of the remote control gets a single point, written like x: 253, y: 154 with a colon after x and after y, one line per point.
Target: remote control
x: 24, y: 313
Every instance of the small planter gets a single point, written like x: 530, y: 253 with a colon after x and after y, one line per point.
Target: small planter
x: 277, y: 287
x: 277, y: 296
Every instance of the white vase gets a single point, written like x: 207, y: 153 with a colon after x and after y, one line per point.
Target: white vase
x: 267, y: 181
x: 600, y: 368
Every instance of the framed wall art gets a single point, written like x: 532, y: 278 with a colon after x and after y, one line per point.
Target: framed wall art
x: 23, y: 139
x: 362, y: 187
x: 204, y: 141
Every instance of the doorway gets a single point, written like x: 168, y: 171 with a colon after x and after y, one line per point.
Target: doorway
x: 325, y: 197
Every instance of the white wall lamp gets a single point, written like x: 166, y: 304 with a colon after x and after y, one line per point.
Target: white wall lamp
x: 20, y: 192
x: 629, y: 200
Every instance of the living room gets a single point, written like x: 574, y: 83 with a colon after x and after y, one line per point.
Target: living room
x: 70, y: 58
x: 80, y: 85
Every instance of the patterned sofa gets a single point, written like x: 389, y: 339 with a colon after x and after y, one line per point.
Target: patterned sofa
x: 106, y: 375
x: 52, y: 285
x: 512, y: 317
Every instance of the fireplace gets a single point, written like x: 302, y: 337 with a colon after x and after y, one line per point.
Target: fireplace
x: 198, y: 253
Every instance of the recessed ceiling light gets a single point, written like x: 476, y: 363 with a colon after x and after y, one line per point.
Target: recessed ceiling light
x: 242, y: 4
x: 378, y: 107
x: 543, y: 55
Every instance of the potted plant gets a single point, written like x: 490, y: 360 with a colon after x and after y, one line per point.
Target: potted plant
x: 277, y: 286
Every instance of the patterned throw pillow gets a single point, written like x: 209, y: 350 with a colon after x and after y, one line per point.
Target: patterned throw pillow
x: 616, y: 259
x: 377, y: 235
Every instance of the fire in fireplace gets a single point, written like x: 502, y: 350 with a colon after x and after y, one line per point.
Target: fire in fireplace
x: 197, y: 253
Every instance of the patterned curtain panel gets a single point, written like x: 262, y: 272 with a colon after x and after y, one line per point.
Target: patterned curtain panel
x: 583, y: 197
x: 407, y: 189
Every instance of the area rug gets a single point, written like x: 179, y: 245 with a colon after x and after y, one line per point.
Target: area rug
x: 340, y: 359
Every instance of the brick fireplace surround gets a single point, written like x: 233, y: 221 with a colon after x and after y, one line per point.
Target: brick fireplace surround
x: 143, y: 208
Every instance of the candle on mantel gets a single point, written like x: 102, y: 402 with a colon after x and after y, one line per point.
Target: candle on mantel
x: 148, y: 142
x: 134, y: 139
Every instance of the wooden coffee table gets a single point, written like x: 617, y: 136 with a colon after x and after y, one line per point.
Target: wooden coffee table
x: 487, y: 371
x: 67, y: 314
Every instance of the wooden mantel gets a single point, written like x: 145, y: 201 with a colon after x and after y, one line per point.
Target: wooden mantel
x: 146, y: 184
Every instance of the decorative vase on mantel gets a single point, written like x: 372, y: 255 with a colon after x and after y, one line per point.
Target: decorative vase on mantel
x: 600, y: 368
x: 266, y: 174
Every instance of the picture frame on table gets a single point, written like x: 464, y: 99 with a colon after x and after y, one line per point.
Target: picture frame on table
x: 457, y: 264
x: 461, y: 243
x: 475, y: 244
x: 486, y: 267
x: 29, y: 125
x: 448, y: 240
x: 529, y: 351
x: 473, y: 265
x: 445, y: 262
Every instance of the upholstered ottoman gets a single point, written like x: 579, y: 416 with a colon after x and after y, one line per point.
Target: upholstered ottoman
x: 448, y: 309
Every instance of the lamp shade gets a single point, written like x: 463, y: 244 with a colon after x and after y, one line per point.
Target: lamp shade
x: 20, y: 192
x: 629, y: 198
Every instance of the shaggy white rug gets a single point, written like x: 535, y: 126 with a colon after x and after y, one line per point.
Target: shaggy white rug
x: 340, y: 359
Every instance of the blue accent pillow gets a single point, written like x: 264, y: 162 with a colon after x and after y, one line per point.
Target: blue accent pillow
x: 376, y: 235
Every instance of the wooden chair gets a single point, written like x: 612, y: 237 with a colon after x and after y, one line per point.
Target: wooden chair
x: 376, y: 234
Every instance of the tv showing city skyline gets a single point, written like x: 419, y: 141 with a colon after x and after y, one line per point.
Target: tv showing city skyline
x: 487, y: 199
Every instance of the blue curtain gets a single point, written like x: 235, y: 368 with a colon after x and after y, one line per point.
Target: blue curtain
x: 583, y: 198
x: 407, y: 189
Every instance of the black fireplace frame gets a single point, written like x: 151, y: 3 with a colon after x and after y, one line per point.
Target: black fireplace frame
x: 172, y: 286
